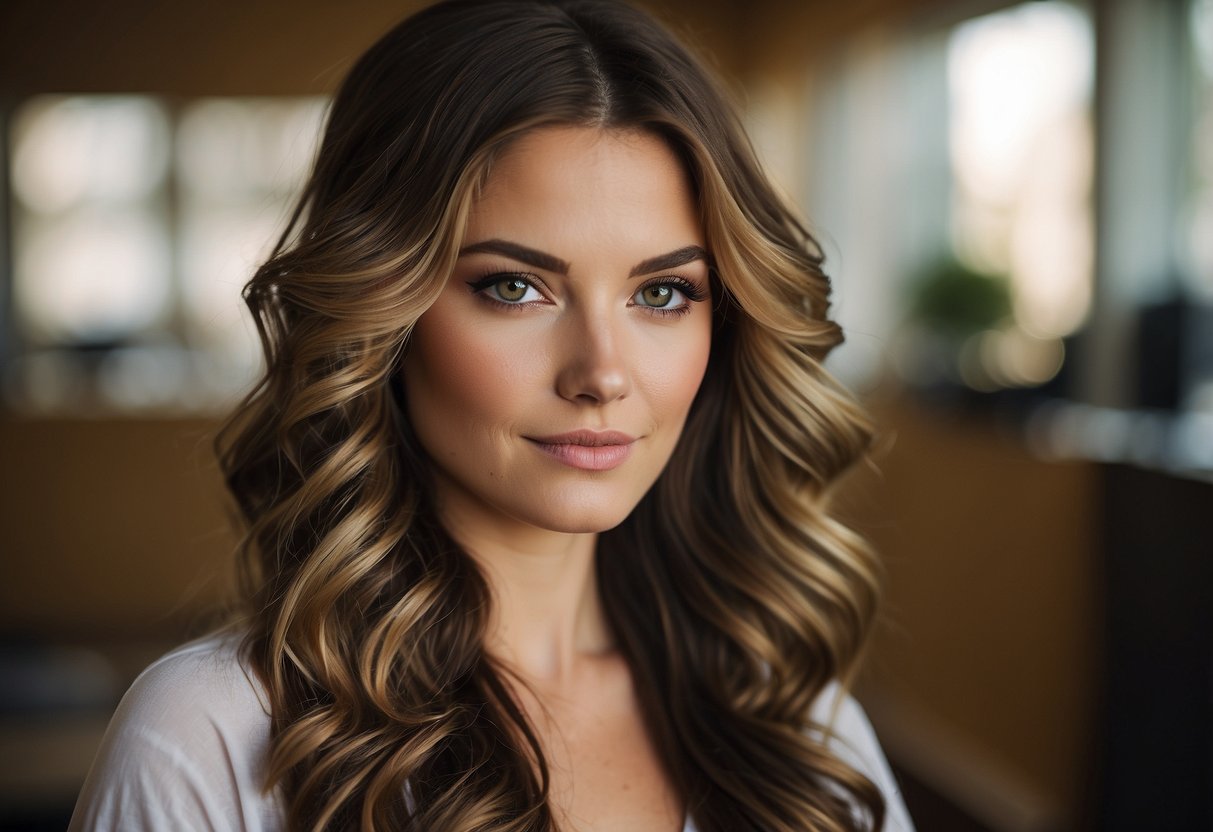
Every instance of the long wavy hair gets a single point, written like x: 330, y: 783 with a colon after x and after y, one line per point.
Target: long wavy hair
x: 734, y: 596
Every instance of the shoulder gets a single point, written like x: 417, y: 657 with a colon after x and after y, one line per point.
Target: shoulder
x: 205, y: 678
x: 199, y: 695
x: 185, y: 748
x: 851, y: 736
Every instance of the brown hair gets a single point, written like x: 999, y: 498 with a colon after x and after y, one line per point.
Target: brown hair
x: 734, y: 595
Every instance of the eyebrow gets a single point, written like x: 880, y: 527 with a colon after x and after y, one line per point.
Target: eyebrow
x: 514, y: 251
x: 671, y: 260
x: 551, y: 263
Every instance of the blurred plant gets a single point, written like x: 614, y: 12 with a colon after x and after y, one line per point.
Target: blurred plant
x: 960, y: 334
x: 957, y: 301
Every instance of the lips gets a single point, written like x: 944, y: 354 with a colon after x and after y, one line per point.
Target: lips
x: 587, y: 450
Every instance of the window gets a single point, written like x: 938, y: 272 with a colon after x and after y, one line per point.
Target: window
x: 956, y: 162
x: 1196, y: 243
x: 135, y: 223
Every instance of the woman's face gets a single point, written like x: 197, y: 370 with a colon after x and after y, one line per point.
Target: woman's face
x: 551, y: 379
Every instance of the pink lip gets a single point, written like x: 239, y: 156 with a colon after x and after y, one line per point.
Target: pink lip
x: 587, y: 449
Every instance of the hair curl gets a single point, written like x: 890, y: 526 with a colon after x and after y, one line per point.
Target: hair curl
x: 734, y: 595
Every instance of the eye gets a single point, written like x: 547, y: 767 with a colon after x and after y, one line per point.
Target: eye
x: 510, y: 289
x: 668, y: 295
x: 658, y: 296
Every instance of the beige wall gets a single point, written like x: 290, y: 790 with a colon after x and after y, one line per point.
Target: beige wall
x: 111, y: 527
x: 984, y: 669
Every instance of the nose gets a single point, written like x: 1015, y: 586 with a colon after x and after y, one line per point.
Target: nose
x: 593, y: 369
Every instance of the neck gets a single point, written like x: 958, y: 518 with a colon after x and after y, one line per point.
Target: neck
x: 546, y: 617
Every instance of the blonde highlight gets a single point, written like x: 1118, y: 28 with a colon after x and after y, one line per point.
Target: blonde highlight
x: 736, y: 597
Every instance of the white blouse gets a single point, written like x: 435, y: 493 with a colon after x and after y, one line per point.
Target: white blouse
x: 186, y: 748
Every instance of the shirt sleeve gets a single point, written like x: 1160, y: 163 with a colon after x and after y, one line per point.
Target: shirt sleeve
x: 183, y: 751
x: 854, y: 740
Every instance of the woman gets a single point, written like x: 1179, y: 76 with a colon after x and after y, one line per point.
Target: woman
x: 536, y: 480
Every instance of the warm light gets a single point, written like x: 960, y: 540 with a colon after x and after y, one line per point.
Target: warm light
x: 134, y: 231
x: 1022, y: 156
x: 241, y: 163
x: 102, y: 149
x: 247, y: 147
x: 92, y: 275
x: 1016, y: 359
x: 1001, y: 358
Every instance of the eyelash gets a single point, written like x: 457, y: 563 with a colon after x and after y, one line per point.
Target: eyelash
x: 479, y: 286
x: 689, y: 290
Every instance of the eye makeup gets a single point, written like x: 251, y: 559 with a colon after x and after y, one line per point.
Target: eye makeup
x: 515, y: 281
x: 692, y: 291
x: 511, y: 289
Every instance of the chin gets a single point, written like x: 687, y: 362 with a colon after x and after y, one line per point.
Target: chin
x: 581, y: 522
x: 569, y: 517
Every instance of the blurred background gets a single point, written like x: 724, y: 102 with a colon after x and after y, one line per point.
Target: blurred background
x: 1016, y: 200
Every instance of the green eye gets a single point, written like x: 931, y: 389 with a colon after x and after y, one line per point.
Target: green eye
x: 656, y: 296
x: 512, y: 289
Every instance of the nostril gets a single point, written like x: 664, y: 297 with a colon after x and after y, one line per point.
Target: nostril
x: 594, y: 382
x: 595, y: 369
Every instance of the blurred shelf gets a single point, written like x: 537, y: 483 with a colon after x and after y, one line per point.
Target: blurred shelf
x: 1176, y: 443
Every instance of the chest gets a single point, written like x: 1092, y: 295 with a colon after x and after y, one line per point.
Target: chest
x: 606, y: 773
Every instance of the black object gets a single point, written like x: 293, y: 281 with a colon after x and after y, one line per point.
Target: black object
x: 1156, y: 760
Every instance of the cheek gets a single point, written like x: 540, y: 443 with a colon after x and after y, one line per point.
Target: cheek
x: 460, y: 381
x: 674, y: 376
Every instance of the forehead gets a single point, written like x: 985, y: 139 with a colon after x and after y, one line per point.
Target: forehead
x: 575, y: 187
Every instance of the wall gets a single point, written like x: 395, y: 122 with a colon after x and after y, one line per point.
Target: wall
x: 983, y: 674
x: 225, y: 47
x: 111, y: 527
